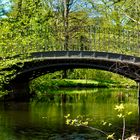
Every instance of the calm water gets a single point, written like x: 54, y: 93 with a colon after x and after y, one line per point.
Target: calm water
x: 43, y: 118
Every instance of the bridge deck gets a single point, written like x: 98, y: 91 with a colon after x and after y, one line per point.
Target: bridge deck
x: 84, y: 55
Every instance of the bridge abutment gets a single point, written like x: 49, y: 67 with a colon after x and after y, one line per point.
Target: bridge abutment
x: 138, y: 95
x: 18, y: 92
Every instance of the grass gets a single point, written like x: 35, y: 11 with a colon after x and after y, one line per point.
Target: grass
x: 43, y: 86
x: 89, y: 83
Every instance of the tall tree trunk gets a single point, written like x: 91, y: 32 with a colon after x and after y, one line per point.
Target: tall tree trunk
x: 66, y: 26
x: 66, y: 23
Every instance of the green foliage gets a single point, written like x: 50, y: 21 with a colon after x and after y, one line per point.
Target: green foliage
x: 81, y: 121
x: 37, y: 25
x: 80, y: 78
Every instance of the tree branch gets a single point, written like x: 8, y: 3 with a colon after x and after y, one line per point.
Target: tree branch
x: 131, y: 18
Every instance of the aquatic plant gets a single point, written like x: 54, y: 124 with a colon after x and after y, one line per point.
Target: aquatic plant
x: 121, y: 113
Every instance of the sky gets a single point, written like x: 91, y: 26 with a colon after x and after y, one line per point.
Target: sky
x: 5, y: 6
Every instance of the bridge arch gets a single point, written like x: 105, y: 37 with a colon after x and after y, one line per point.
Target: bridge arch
x: 47, y: 62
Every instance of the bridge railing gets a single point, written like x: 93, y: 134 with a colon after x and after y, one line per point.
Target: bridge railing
x: 91, y: 38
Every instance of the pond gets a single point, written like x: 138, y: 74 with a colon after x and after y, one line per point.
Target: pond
x: 43, y: 118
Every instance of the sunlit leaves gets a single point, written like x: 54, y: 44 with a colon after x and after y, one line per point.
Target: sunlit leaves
x: 121, y: 111
x: 119, y: 108
x: 67, y: 116
x: 111, y: 136
x: 106, y: 123
x: 120, y: 115
x: 82, y: 121
x: 79, y: 121
x: 129, y: 113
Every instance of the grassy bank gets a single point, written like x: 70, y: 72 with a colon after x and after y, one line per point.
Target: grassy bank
x: 44, y: 85
x: 90, y: 83
x: 80, y: 78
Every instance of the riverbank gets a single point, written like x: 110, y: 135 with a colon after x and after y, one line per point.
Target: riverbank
x: 91, y: 83
x: 44, y: 85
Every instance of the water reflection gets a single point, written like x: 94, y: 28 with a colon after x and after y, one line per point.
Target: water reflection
x: 95, y: 95
x: 43, y: 118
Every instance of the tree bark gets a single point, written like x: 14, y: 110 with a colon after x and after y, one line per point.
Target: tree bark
x: 66, y: 10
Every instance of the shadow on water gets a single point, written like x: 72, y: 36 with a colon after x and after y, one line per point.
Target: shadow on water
x: 138, y: 121
x: 138, y: 104
x: 43, y: 118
